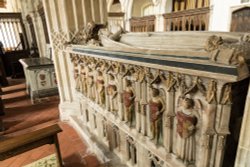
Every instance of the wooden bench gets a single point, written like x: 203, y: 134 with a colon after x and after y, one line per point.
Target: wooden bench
x: 11, y: 145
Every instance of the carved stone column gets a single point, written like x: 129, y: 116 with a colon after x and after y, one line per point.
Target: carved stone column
x: 120, y: 88
x: 208, y: 129
x: 122, y: 145
x: 142, y: 157
x: 168, y: 120
x: 84, y: 106
x: 223, y: 126
x: 143, y: 108
x: 126, y: 155
x: 137, y: 107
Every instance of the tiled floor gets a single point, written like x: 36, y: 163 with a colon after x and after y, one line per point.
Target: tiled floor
x: 21, y: 114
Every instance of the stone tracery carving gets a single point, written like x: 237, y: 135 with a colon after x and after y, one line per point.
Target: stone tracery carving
x: 171, y: 83
x: 144, y: 74
x: 58, y: 39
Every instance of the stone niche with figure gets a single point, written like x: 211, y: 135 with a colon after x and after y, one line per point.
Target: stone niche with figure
x: 160, y: 99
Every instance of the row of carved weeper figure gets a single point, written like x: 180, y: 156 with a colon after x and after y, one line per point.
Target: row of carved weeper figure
x: 128, y: 91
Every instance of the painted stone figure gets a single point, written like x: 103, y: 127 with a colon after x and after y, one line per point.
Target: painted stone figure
x: 83, y: 78
x: 77, y: 77
x: 112, y: 94
x: 156, y: 106
x: 186, y: 125
x: 90, y: 85
x: 100, y: 88
x: 128, y: 99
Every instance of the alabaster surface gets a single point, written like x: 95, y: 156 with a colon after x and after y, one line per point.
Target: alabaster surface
x: 158, y: 99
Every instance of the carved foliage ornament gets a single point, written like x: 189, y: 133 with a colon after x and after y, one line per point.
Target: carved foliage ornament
x: 230, y: 51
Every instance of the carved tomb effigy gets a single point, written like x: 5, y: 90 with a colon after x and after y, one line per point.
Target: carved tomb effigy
x: 164, y: 99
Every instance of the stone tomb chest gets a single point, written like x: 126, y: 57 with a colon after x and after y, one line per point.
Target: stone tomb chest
x: 160, y: 99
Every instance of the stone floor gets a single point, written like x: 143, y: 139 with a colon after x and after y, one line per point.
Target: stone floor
x: 21, y: 114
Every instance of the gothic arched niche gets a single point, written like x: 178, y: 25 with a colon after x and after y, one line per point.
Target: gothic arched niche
x: 115, y: 15
x: 115, y: 7
x: 241, y: 20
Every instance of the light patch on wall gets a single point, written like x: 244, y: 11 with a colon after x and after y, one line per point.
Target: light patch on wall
x: 148, y: 10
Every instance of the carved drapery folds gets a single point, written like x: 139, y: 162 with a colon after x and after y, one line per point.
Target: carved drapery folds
x: 90, y: 35
x: 186, y: 116
x: 128, y: 101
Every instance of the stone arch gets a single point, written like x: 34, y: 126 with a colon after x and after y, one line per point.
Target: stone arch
x: 172, y: 26
x: 203, y: 26
x: 145, y: 6
x: 114, y: 6
x: 180, y: 25
x: 187, y: 25
x: 191, y: 25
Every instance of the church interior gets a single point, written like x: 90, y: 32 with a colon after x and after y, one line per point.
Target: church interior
x: 124, y: 83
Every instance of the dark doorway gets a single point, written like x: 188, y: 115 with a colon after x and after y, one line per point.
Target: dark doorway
x: 241, y: 20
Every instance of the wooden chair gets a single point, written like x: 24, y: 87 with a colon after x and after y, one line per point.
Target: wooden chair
x: 18, y: 142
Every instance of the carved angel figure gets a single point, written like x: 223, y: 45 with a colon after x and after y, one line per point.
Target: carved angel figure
x: 128, y: 98
x: 112, y: 94
x: 100, y: 88
x: 157, y: 107
x: 90, y: 85
x: 186, y: 126
x: 83, y: 86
